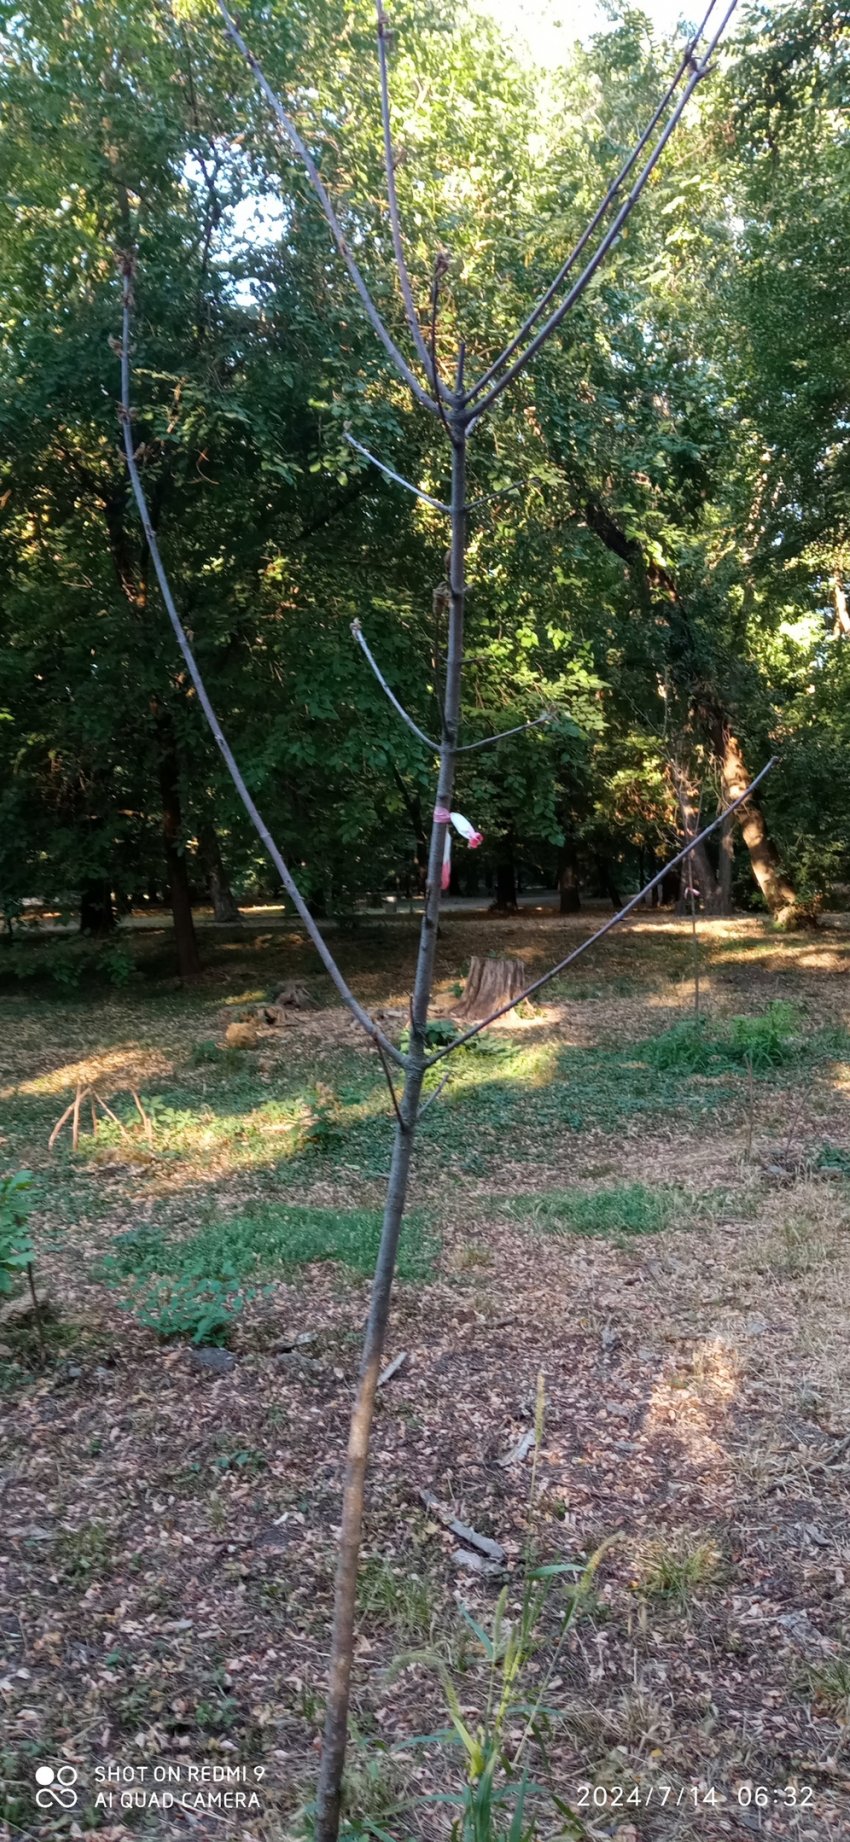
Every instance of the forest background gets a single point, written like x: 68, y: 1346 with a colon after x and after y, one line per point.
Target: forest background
x: 668, y: 579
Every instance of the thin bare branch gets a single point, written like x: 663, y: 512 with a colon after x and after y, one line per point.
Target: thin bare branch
x: 602, y: 931
x: 384, y: 37
x: 488, y: 497
x: 431, y: 1098
x: 312, y: 172
x: 288, y: 881
x: 520, y: 730
x: 398, y: 477
x: 467, y: 747
x: 698, y: 71
x: 389, y: 1081
x: 599, y: 214
x: 357, y: 631
x: 440, y: 267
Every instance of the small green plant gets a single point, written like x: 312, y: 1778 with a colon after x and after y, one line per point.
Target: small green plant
x: 685, y: 1047
x: 118, y: 963
x: 438, y: 1032
x: 393, y: 1596
x: 84, y: 1553
x: 672, y: 1568
x: 202, y: 1309
x: 494, y: 1796
x: 16, y: 1249
x: 320, y: 1123
x: 373, y: 1789
x: 206, y: 1054
x: 829, y: 1684
x: 768, y: 1041
x: 217, y: 1716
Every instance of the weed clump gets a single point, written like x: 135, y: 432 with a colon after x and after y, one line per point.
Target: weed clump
x: 773, y: 1040
x: 673, y: 1568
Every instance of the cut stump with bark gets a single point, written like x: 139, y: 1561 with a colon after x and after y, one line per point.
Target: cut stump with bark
x: 490, y: 984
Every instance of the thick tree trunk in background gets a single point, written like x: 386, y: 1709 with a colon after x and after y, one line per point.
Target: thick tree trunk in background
x: 490, y: 982
x: 568, y: 879
x: 670, y: 888
x: 702, y: 872
x: 185, y: 938
x: 727, y: 859
x: 764, y: 857
x: 606, y: 880
x: 97, y: 915
x: 225, y: 906
x: 413, y: 804
x: 506, y: 902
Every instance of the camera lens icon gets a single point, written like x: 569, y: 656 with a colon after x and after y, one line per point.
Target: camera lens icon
x: 56, y: 1786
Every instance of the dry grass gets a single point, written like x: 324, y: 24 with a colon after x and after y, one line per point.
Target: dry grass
x: 697, y: 1381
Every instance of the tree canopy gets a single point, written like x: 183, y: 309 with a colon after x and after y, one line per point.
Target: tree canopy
x: 668, y: 579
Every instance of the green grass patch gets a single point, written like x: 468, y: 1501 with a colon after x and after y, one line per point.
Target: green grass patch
x: 624, y: 1209
x: 771, y: 1041
x: 267, y: 1240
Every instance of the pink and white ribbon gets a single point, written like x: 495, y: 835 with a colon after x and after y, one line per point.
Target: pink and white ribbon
x: 442, y: 816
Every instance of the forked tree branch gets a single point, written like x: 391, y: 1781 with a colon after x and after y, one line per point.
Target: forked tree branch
x: 598, y: 215
x: 698, y: 71
x: 464, y: 748
x: 602, y: 931
x: 408, y: 485
x: 312, y: 172
x: 291, y: 887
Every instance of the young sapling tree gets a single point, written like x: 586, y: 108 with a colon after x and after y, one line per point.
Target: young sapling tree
x: 458, y: 405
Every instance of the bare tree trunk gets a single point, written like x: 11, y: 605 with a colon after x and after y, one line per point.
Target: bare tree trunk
x: 225, y: 906
x: 764, y: 857
x: 702, y: 871
x: 568, y: 879
x: 727, y: 859
x: 185, y: 938
x: 606, y: 880
x: 413, y: 805
x: 329, y: 1798
x: 506, y: 902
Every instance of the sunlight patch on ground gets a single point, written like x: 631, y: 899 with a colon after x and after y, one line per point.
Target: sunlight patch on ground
x: 113, y: 1069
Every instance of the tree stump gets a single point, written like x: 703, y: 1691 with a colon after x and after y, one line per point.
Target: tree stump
x: 490, y: 984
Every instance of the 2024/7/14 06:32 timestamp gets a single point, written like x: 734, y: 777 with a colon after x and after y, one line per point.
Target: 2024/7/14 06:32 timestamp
x: 744, y: 1796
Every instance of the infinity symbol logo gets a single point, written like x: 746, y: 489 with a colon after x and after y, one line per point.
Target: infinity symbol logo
x: 55, y: 1787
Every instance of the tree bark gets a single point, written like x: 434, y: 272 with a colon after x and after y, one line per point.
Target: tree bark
x: 646, y: 577
x: 727, y: 859
x: 568, y: 879
x: 188, y: 958
x: 329, y: 1796
x: 702, y: 872
x: 225, y: 906
x: 764, y: 857
x: 489, y: 983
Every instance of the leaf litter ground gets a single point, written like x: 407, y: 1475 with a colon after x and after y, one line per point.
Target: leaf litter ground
x: 670, y: 1250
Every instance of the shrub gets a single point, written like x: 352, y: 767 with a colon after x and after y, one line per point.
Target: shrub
x: 202, y: 1309
x: 760, y: 1043
x: 16, y: 1249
